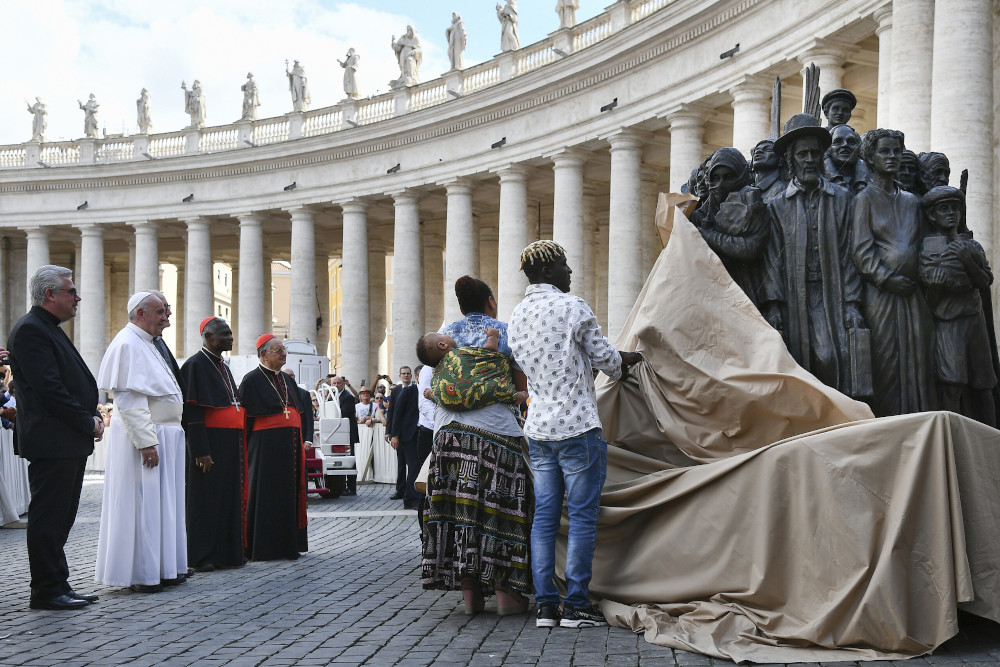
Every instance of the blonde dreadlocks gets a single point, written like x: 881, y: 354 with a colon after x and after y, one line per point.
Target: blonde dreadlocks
x: 541, y: 252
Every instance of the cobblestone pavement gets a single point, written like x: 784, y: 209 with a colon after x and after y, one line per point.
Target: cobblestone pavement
x: 353, y: 599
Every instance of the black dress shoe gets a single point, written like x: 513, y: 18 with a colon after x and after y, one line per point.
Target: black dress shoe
x: 396, y: 496
x: 145, y: 588
x: 59, y: 602
x: 207, y: 567
x: 176, y: 581
x: 411, y: 505
x: 86, y: 597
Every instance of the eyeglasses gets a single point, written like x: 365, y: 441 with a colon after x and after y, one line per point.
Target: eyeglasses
x: 72, y: 290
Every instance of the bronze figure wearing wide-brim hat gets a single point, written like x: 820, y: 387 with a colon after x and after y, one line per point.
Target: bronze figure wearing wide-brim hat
x: 802, y: 125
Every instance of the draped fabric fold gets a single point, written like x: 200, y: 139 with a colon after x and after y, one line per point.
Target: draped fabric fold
x: 754, y: 514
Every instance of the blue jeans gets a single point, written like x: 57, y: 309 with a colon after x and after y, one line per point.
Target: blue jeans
x: 577, y: 467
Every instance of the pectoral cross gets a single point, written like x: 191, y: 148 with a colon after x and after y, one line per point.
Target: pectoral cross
x: 287, y: 413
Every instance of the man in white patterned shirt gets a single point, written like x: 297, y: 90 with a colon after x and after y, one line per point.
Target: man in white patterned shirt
x: 557, y: 342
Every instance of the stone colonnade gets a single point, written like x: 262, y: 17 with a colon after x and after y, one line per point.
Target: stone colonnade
x: 935, y: 74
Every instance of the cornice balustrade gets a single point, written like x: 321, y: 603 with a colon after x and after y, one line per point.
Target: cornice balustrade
x: 342, y: 116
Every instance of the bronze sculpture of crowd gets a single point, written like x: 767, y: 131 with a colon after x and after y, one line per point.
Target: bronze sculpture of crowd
x: 857, y: 250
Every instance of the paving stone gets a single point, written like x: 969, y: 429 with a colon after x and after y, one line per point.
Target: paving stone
x: 354, y: 599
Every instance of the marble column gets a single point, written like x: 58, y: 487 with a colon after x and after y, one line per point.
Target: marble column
x: 435, y: 295
x: 962, y: 104
x: 588, y: 286
x: 650, y: 237
x: 131, y: 266
x: 514, y: 235
x: 199, y: 288
x: 323, y: 301
x: 5, y: 280
x: 147, y: 256
x: 910, y: 76
x: 687, y: 129
x: 177, y: 321
x: 489, y: 242
x: 376, y: 310
x: 268, y: 286
x: 751, y: 113
x: 883, y: 19
x: 92, y: 312
x: 461, y: 242
x: 625, y: 228
x: 37, y: 254
x: 407, y: 280
x: 600, y: 303
x: 567, y: 210
x: 355, y: 290
x: 251, y: 293
x: 302, y: 318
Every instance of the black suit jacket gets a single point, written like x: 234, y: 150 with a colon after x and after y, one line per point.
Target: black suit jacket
x: 405, y: 413
x: 347, y: 403
x: 56, y: 392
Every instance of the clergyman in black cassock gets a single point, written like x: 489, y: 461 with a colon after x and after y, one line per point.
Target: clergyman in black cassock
x: 214, y: 424
x: 276, y: 504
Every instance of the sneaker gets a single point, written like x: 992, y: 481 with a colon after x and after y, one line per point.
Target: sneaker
x: 548, y: 615
x: 588, y: 617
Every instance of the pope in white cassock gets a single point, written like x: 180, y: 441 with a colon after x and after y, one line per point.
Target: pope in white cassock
x: 143, y: 543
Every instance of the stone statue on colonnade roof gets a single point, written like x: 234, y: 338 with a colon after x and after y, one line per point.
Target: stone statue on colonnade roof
x: 457, y: 41
x: 89, y: 116
x: 350, y: 65
x: 409, y: 55
x: 194, y: 104
x: 40, y: 120
x: 566, y: 9
x: 143, y: 112
x: 509, y: 39
x: 298, y: 85
x: 251, y: 98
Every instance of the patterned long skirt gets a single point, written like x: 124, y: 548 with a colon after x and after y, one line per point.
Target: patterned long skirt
x: 478, y: 519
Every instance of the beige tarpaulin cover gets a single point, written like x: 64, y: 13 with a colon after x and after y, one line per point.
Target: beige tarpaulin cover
x: 839, y: 541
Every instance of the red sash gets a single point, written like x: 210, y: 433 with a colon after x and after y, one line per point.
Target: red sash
x: 293, y: 420
x: 228, y: 417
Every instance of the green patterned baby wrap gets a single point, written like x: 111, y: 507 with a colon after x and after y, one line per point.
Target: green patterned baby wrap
x: 468, y: 378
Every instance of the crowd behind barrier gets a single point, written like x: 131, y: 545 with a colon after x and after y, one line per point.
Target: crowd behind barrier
x: 13, y: 477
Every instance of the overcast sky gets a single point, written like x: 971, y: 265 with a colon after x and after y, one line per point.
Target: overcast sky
x: 63, y: 50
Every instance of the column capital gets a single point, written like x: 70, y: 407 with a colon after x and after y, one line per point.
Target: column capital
x: 687, y: 116
x: 406, y: 196
x: 249, y: 217
x: 195, y: 221
x: 512, y: 173
x: 90, y: 229
x: 37, y: 232
x: 625, y: 139
x: 825, y: 53
x: 300, y: 212
x: 458, y: 186
x: 568, y: 157
x: 751, y: 89
x: 354, y: 206
x: 144, y: 226
x: 883, y: 18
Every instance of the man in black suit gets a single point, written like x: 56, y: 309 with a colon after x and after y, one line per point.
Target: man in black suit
x: 403, y: 433
x: 57, y: 422
x: 347, y: 398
